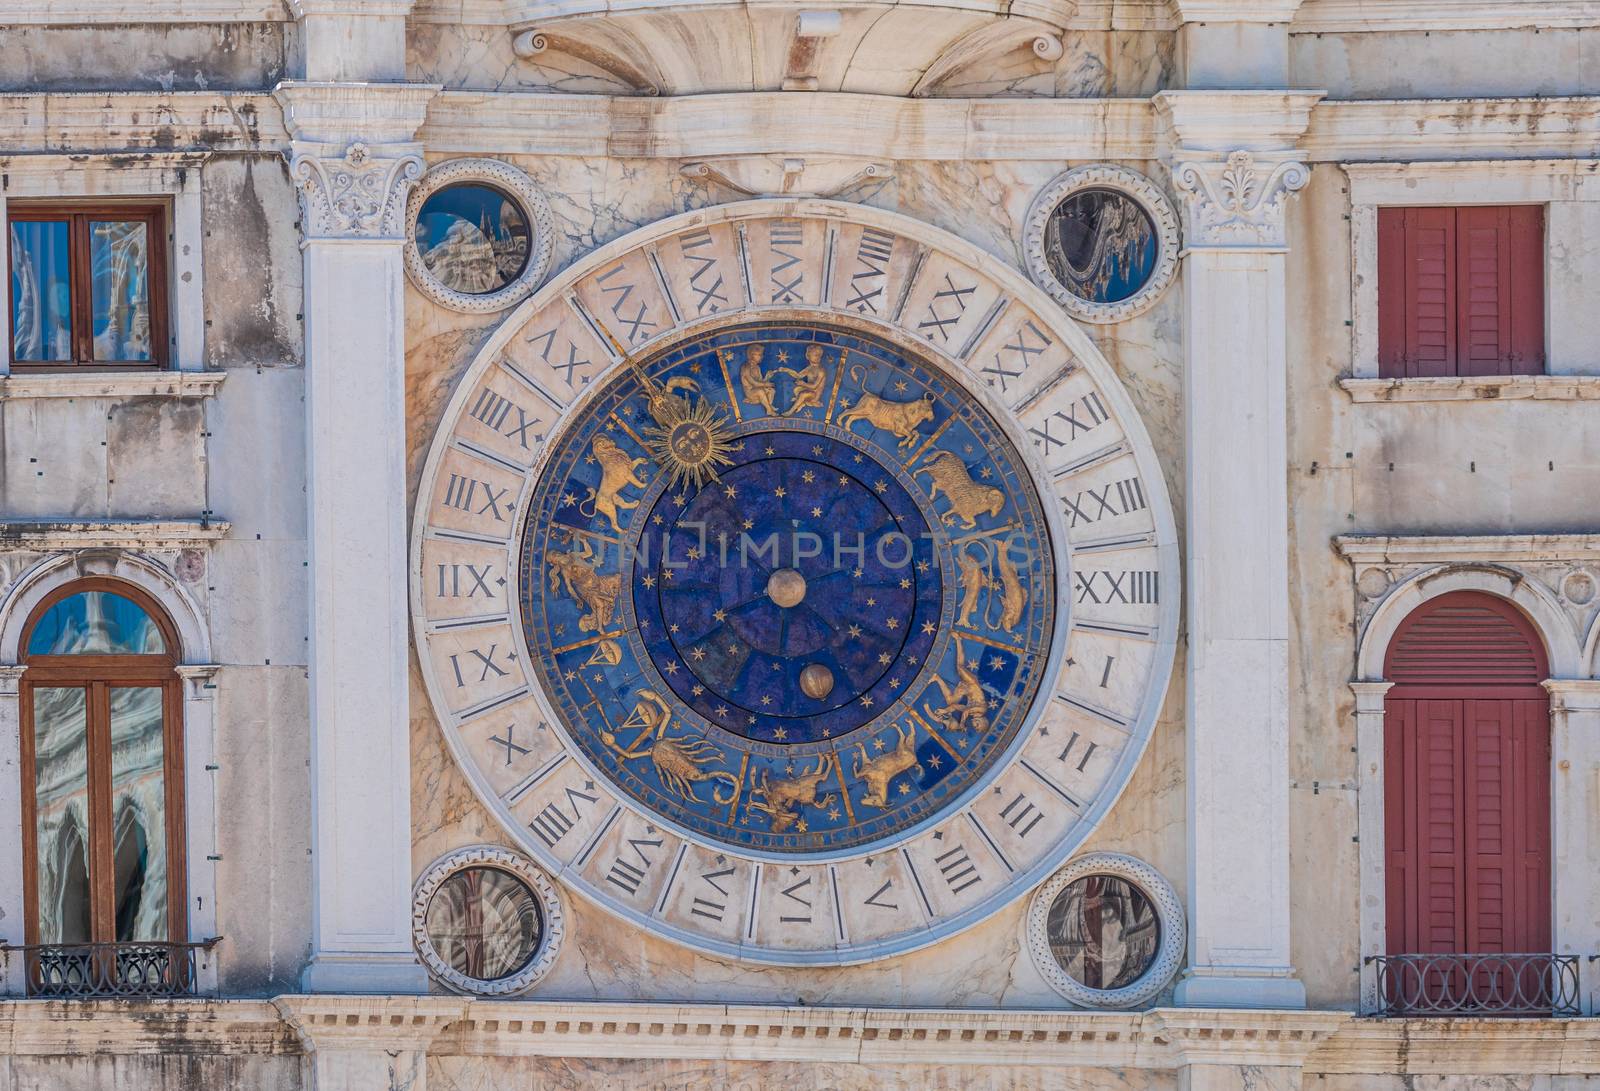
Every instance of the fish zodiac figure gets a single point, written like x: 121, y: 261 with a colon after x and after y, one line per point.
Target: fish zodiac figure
x: 976, y: 578
x: 678, y: 762
x: 877, y: 772
x: 899, y: 419
x: 782, y: 799
x: 966, y: 705
x: 586, y: 585
x: 617, y: 472
x: 968, y: 498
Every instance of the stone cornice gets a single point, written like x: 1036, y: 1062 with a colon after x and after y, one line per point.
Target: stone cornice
x: 21, y: 386
x: 1393, y: 16
x: 1227, y: 121
x: 110, y: 533
x: 1367, y: 549
x: 334, y: 114
x: 1478, y: 388
x: 1236, y: 11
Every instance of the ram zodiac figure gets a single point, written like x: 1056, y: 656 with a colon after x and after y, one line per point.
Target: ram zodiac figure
x: 782, y: 799
x: 968, y: 498
x: 899, y: 419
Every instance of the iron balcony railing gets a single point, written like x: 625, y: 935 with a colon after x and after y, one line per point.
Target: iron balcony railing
x: 1477, y: 984
x: 84, y: 971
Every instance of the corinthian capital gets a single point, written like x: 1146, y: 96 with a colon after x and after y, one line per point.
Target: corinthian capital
x: 1237, y: 202
x: 360, y: 194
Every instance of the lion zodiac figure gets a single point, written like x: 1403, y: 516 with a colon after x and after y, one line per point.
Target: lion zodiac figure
x: 678, y: 761
x: 586, y: 585
x: 877, y: 772
x: 781, y: 800
x: 899, y: 419
x: 968, y: 498
x: 617, y: 472
x: 966, y: 705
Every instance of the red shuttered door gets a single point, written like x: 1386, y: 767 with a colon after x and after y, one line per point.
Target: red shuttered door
x: 1461, y: 291
x: 1467, y: 781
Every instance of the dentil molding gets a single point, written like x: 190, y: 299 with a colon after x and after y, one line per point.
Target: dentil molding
x: 1238, y: 202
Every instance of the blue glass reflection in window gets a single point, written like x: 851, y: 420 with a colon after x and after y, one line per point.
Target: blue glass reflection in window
x: 41, y: 291
x: 119, y: 263
x: 473, y: 238
x: 1101, y: 245
x: 96, y: 623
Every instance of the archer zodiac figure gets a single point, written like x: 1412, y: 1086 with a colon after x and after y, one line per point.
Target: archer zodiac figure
x: 808, y: 382
x: 586, y: 585
x: 678, y: 762
x: 781, y: 800
x: 966, y: 705
x: 877, y: 772
x: 756, y: 385
x: 617, y: 472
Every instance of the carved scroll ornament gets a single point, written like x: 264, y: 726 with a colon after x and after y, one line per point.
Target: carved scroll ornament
x: 1237, y: 202
x: 358, y: 195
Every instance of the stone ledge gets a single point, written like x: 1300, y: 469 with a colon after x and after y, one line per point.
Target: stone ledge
x: 1458, y: 548
x: 1476, y: 388
x: 102, y: 384
x: 124, y: 533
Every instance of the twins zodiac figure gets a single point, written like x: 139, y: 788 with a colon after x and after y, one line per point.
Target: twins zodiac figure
x: 760, y: 389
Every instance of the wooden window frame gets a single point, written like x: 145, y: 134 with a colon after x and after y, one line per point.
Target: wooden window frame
x: 157, y: 219
x: 98, y: 674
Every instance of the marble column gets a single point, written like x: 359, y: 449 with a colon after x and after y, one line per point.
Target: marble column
x: 1574, y: 812
x: 13, y: 910
x: 1234, y: 168
x: 1374, y: 936
x: 354, y: 159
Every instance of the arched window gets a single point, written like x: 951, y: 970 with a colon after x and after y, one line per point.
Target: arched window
x: 102, y: 768
x: 1467, y: 798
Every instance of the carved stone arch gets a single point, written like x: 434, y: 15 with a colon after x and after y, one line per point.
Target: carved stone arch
x: 1534, y: 600
x: 147, y: 574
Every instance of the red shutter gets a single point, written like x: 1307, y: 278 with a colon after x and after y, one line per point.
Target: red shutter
x: 1461, y: 291
x: 1466, y: 783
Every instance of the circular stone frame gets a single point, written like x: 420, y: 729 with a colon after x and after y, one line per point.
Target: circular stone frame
x: 1135, y: 187
x: 490, y: 856
x: 1169, y: 911
x: 535, y: 209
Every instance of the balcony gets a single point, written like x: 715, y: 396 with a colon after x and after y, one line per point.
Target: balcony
x: 84, y: 971
x: 1489, y: 985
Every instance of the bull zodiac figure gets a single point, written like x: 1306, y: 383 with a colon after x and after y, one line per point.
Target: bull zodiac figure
x: 781, y: 800
x: 968, y: 498
x: 586, y: 586
x: 877, y: 772
x: 899, y: 419
x: 966, y: 704
x: 678, y: 761
x: 617, y: 472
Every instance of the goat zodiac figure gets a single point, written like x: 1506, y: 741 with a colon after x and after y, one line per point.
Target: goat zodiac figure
x: 877, y: 772
x: 678, y: 762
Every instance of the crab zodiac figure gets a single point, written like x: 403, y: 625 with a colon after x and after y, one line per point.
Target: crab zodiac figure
x: 678, y: 761
x: 617, y: 472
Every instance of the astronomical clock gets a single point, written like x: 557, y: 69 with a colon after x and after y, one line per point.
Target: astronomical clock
x: 794, y: 581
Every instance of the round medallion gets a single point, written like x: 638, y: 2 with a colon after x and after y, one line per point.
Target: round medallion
x: 486, y: 921
x: 792, y: 583
x: 478, y: 235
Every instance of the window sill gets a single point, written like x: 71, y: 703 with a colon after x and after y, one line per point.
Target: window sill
x: 1476, y: 388
x: 129, y: 533
x: 111, y: 384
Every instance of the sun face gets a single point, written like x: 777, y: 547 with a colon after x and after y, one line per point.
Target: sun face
x: 690, y: 439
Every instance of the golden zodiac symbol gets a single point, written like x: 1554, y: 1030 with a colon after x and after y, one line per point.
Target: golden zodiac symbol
x: 757, y: 387
x: 879, y: 771
x: 596, y: 593
x: 1011, y: 596
x: 617, y: 472
x: 607, y: 653
x: 782, y: 799
x: 677, y: 761
x: 966, y: 705
x: 900, y: 419
x: 973, y: 581
x: 808, y: 382
x: 968, y: 499
x: 978, y: 576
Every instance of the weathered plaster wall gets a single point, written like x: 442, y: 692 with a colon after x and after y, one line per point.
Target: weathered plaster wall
x: 167, y: 57
x: 1445, y: 64
x: 252, y: 268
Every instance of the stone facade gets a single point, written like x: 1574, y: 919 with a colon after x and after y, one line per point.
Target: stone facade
x: 273, y: 487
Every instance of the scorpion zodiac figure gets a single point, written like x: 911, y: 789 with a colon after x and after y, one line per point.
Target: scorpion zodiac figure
x: 678, y: 761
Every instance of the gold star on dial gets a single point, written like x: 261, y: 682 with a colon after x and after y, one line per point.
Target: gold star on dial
x: 780, y: 492
x: 808, y: 477
x: 719, y: 615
